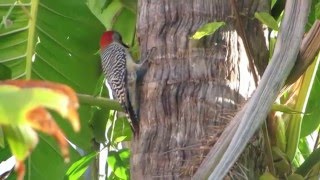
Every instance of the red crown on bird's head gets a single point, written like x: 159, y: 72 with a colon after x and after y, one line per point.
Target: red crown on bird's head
x: 106, y: 38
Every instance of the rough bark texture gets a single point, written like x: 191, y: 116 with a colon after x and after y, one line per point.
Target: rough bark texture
x: 193, y: 88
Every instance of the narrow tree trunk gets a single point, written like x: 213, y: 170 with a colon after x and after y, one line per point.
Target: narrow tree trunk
x: 193, y: 88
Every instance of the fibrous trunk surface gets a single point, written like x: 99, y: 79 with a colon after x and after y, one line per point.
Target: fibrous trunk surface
x: 192, y: 88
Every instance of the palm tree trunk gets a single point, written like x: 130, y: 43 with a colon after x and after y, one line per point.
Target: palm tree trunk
x: 193, y: 88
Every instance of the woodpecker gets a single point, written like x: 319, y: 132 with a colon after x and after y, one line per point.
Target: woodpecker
x: 121, y: 74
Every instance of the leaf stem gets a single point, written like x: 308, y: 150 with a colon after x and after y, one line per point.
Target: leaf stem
x: 31, y: 37
x: 99, y: 101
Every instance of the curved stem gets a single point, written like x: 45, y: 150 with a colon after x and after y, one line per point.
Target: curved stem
x: 31, y: 37
x: 99, y: 101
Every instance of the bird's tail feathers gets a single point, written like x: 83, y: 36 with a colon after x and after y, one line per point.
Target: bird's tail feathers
x: 133, y: 119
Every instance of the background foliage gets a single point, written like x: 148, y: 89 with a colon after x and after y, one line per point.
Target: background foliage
x: 66, y: 50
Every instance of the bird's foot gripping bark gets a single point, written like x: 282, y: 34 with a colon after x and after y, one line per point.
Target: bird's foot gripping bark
x: 150, y: 53
x: 143, y: 66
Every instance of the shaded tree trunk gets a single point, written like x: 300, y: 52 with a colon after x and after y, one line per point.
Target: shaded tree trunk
x: 193, y: 88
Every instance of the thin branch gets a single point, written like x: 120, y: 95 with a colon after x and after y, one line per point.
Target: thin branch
x: 99, y: 101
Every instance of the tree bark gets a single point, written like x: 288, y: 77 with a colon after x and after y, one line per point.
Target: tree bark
x: 193, y: 88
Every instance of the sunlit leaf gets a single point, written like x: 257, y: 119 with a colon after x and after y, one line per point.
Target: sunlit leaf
x: 119, y: 163
x: 120, y: 139
x: 125, y: 156
x: 267, y: 19
x: 207, y: 30
x: 77, y: 169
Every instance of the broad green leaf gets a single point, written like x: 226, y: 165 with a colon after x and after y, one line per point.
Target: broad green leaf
x: 120, y: 139
x: 312, y: 161
x: 119, y: 163
x: 298, y: 159
x: 117, y: 15
x: 100, y: 115
x: 317, y: 10
x: 121, y: 128
x: 130, y: 4
x: 121, y: 172
x: 267, y: 19
x: 77, y: 169
x: 126, y: 25
x: 311, y: 121
x: 314, y: 13
x: 295, y: 123
x: 106, y: 15
x: 304, y: 147
x: 125, y: 155
x: 272, y: 3
x: 105, y: 4
x: 14, y: 35
x: 207, y: 29
x: 47, y: 163
x: 112, y: 159
x: 98, y: 123
x: 314, y: 172
x: 67, y: 41
x: 5, y: 72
